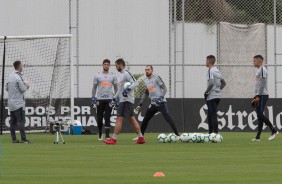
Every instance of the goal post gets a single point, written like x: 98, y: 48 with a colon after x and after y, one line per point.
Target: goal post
x: 47, y: 61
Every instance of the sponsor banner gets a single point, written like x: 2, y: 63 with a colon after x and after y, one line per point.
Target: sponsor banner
x: 190, y: 115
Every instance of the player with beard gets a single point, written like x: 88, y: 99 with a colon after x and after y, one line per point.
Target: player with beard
x: 103, y: 85
x: 124, y: 99
x: 156, y: 90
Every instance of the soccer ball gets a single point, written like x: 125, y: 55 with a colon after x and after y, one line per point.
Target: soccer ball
x: 184, y: 137
x: 218, y: 138
x: 171, y: 137
x: 200, y: 138
x: 162, y: 138
x: 212, y: 137
x: 207, y: 138
x: 125, y: 85
x: 192, y: 138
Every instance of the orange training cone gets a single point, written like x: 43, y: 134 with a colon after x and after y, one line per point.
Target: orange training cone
x: 159, y: 174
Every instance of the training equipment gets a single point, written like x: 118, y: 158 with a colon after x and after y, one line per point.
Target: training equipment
x: 126, y: 85
x: 159, y: 174
x: 184, y: 137
x: 94, y: 102
x: 126, y: 88
x: 212, y: 137
x: 171, y: 138
x: 207, y: 138
x: 218, y: 138
x: 200, y: 138
x: 192, y: 138
x: 162, y: 138
x: 48, y: 70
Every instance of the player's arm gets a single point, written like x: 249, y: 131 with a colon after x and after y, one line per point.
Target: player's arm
x: 261, y: 87
x: 95, y: 85
x: 115, y: 84
x: 164, y: 89
x: 162, y: 86
x: 22, y: 86
x: 134, y: 82
x: 94, y: 90
x: 222, y: 84
x: 210, y: 85
x: 144, y: 97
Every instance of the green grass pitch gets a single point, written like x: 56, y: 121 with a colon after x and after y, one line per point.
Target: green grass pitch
x: 83, y: 159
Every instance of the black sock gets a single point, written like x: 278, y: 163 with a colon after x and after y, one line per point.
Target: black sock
x: 100, y: 131
x: 107, y: 131
x: 258, y: 135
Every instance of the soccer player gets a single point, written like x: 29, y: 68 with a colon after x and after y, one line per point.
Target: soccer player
x: 156, y: 90
x: 16, y: 87
x: 215, y: 83
x: 261, y: 97
x: 104, y: 83
x: 125, y: 96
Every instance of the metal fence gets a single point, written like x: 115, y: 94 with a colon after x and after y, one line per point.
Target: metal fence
x: 175, y: 36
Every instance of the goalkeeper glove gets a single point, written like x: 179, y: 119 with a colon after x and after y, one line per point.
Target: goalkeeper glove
x: 114, y: 103
x: 126, y: 91
x: 255, y: 101
x: 94, y: 102
x: 137, y: 109
x: 206, y: 94
x: 158, y: 101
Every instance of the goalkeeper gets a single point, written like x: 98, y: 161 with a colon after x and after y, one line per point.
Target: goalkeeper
x: 125, y: 108
x: 104, y: 83
x: 261, y: 97
x: 156, y: 90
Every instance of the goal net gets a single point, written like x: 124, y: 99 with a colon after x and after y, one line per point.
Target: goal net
x: 47, y: 67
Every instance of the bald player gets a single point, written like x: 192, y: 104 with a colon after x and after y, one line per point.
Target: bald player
x: 156, y: 90
x: 261, y: 97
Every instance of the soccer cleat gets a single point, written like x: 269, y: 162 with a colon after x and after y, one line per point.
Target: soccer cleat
x: 108, y: 138
x: 26, y: 141
x: 110, y: 141
x: 273, y: 135
x: 135, y: 139
x: 16, y: 141
x: 253, y: 140
x: 140, y: 140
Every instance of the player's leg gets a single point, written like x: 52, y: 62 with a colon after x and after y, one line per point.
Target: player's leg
x: 107, y: 117
x: 118, y: 126
x: 263, y: 118
x: 214, y: 115
x: 13, y: 124
x: 20, y: 116
x: 209, y: 116
x: 100, y: 113
x: 151, y: 111
x: 129, y: 113
x: 164, y: 110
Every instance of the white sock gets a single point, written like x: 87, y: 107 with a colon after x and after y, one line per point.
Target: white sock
x: 115, y: 136
x: 139, y: 135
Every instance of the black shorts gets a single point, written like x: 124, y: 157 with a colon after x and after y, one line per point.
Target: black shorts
x: 125, y: 109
